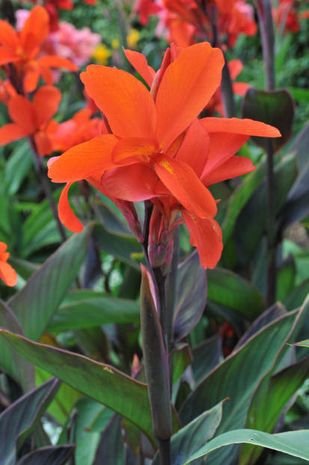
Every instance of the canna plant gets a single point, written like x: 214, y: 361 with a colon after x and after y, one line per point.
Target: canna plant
x: 147, y: 375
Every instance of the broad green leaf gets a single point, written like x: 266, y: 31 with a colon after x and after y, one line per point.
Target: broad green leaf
x: 103, y: 383
x: 296, y: 207
x: 24, y: 268
x: 297, y: 296
x: 285, y: 279
x: 39, y: 230
x: 111, y: 450
x: 250, y: 233
x: 304, y: 343
x: 62, y: 404
x: 269, y: 401
x: 238, y: 377
x: 205, y: 357
x: 111, y: 221
x: 10, y: 362
x: 274, y: 312
x: 87, y: 308
x: 48, y: 456
x: 233, y: 291
x: 295, y: 443
x: 181, y: 359
x: 17, y: 167
x: 18, y: 420
x: 189, y: 439
x: 271, y: 107
x: 240, y: 197
x: 191, y: 296
x: 92, y: 419
x: 124, y: 248
x: 36, y: 303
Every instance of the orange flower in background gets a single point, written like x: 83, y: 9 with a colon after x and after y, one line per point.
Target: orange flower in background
x: 7, y: 274
x: 80, y: 128
x: 6, y: 91
x: 32, y: 118
x: 22, y: 50
x: 157, y: 148
x: 187, y: 21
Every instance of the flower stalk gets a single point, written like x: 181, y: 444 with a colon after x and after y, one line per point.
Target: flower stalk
x: 156, y: 364
x: 268, y: 44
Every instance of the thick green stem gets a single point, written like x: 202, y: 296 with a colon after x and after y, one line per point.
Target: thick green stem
x: 271, y: 227
x: 227, y: 91
x: 268, y: 43
x: 156, y: 364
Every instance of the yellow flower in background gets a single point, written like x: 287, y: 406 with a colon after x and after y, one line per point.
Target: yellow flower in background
x: 101, y: 54
x: 133, y: 38
x: 115, y: 43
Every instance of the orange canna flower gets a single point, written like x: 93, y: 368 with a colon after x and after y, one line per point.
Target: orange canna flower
x: 32, y: 118
x: 76, y: 130
x: 6, y: 91
x: 157, y: 148
x: 7, y: 274
x: 22, y: 50
x: 187, y: 21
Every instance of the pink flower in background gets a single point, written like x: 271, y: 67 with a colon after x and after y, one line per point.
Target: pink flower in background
x: 75, y: 44
x: 68, y: 42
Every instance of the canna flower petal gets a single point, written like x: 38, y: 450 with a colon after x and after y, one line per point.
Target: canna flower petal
x: 186, y: 87
x: 7, y: 56
x: 235, y: 166
x: 8, y: 35
x: 54, y: 61
x: 244, y: 126
x: 133, y: 150
x: 65, y: 212
x: 83, y: 160
x: 125, y: 101
x: 140, y: 64
x: 46, y: 102
x: 125, y: 183
x: 35, y: 30
x: 43, y: 143
x: 186, y: 187
x: 11, y: 132
x: 194, y: 148
x: 7, y: 274
x: 21, y: 112
x: 221, y: 147
x: 206, y: 236
x: 31, y: 77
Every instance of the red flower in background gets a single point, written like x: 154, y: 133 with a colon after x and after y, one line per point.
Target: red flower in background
x: 146, y: 8
x: 32, y: 118
x: 158, y: 150
x: 286, y: 16
x: 187, y: 21
x: 7, y: 274
x: 22, y: 50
